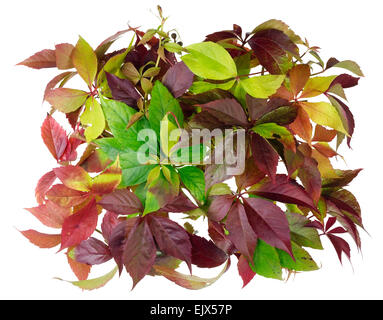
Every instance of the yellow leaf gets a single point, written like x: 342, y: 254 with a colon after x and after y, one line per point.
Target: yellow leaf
x: 93, y: 118
x: 325, y: 114
x: 316, y: 86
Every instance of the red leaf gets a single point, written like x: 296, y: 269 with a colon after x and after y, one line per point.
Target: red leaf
x: 79, y: 226
x: 330, y: 222
x: 250, y: 176
x: 92, y: 252
x: 42, y: 240
x: 287, y: 191
x: 52, y: 84
x: 81, y: 270
x: 65, y: 197
x: 70, y: 153
x: 178, y: 79
x: 244, y: 270
x: 205, y: 254
x: 171, y: 238
x: 139, y: 251
x: 43, y: 186
x: 74, y: 177
x: 311, y: 178
x: 302, y: 125
x: 264, y: 155
x: 109, y: 222
x: 122, y: 90
x: 96, y: 162
x: 340, y: 246
x: 65, y: 99
x: 42, y: 59
x: 269, y: 223
x: 240, y: 231
x: 120, y: 233
x: 50, y: 214
x: 181, y: 203
x: 54, y: 137
x: 221, y: 240
x: 227, y: 111
x: 63, y: 56
x: 345, y: 80
x: 324, y: 135
x: 219, y: 207
x: 121, y: 201
x: 337, y: 230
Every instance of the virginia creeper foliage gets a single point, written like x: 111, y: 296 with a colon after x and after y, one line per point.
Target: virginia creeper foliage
x: 107, y: 206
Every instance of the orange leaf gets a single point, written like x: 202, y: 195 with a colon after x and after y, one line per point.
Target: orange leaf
x: 302, y: 125
x: 50, y: 214
x: 74, y: 177
x: 63, y: 56
x: 42, y: 59
x: 81, y: 270
x: 42, y: 240
x: 323, y: 134
x: 298, y: 77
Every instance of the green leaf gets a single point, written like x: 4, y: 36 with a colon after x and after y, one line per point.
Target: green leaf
x: 163, y: 102
x: 243, y: 64
x: 93, y: 119
x: 85, y: 61
x: 202, y: 86
x: 219, y: 189
x: 316, y: 86
x: 66, y: 100
x: 350, y: 66
x: 96, y: 283
x: 266, y: 261
x: 210, y: 61
x: 325, y: 114
x: 271, y: 130
x: 118, y: 115
x: 194, y: 180
x: 262, y: 86
x: 169, y: 135
x: 303, y: 260
x: 303, y: 236
x: 173, y: 47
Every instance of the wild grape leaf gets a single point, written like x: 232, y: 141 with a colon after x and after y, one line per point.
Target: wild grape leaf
x: 262, y: 86
x: 178, y: 79
x: 81, y: 270
x: 340, y: 246
x: 346, y: 64
x: 171, y: 238
x: 42, y: 59
x: 215, y: 173
x: 315, y: 86
x: 227, y: 111
x: 92, y: 119
x: 194, y: 180
x: 241, y: 232
x: 42, y: 240
x: 50, y: 214
x: 188, y: 281
x: 266, y: 261
x: 203, y: 86
x: 43, y: 185
x: 323, y: 134
x: 205, y: 254
x: 180, y: 203
x: 54, y: 137
x: 96, y: 161
x: 66, y: 197
x: 343, y: 179
x: 92, y: 252
x: 210, y: 61
x: 244, y: 270
x: 281, y: 26
x: 285, y: 190
x: 103, y: 47
x: 345, y: 80
x: 302, y: 259
x: 310, y: 177
x: 74, y: 177
x: 117, y: 239
x: 302, y: 125
x: 64, y: 56
x: 122, y: 90
x: 85, y: 61
x: 220, y: 238
x: 219, y: 207
x: 107, y: 181
x: 96, y: 283
x: 109, y: 222
x: 121, y: 201
x: 250, y: 176
x: 301, y: 233
x: 139, y: 251
x: 79, y: 226
x: 62, y: 78
x: 274, y: 131
x: 66, y: 100
x: 270, y: 47
x: 264, y: 155
x: 269, y: 223
x: 299, y: 75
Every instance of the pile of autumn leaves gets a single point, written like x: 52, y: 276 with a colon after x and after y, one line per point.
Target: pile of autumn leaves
x: 214, y: 86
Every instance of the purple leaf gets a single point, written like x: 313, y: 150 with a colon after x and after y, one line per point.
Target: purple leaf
x: 121, y: 201
x: 219, y: 207
x: 269, y: 222
x: 122, y: 90
x: 244, y: 270
x: 92, y: 252
x: 178, y: 79
x: 181, y: 203
x: 205, y: 254
x: 340, y: 246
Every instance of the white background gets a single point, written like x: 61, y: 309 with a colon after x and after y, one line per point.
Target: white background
x: 344, y: 29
